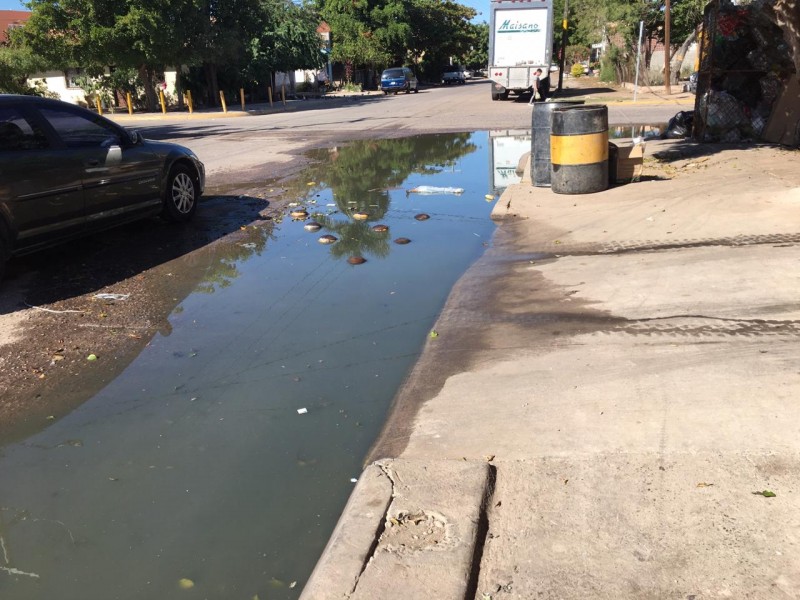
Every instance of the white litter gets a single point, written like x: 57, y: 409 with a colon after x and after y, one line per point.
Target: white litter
x: 302, y: 411
x: 113, y: 297
x: 431, y: 190
x: 353, y: 480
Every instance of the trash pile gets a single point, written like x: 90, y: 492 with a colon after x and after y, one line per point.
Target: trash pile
x: 745, y: 63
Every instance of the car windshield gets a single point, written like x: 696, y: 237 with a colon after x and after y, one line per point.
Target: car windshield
x: 392, y: 73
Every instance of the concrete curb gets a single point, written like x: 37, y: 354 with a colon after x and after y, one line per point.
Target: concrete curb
x: 408, y: 524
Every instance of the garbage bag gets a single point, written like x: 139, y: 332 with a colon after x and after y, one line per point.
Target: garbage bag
x: 679, y: 126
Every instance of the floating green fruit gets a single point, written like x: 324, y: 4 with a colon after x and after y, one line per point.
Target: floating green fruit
x: 185, y: 584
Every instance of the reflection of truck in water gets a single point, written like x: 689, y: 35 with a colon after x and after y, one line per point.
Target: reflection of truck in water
x: 520, y: 41
x: 505, y: 150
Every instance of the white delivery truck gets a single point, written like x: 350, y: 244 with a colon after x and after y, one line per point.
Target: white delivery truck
x: 520, y: 41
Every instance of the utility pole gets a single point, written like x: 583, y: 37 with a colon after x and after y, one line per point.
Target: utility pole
x: 666, y: 49
x: 563, y: 60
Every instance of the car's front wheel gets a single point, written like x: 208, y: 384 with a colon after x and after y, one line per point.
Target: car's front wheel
x: 180, y: 194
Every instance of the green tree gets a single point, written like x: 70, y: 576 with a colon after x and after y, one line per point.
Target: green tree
x: 381, y: 33
x: 16, y: 62
x: 477, y: 57
x: 285, y: 40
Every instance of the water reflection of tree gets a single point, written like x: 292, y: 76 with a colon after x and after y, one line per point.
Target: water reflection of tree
x: 356, y: 238
x: 361, y: 175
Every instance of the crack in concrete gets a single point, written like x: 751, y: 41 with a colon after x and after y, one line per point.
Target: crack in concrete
x: 386, y: 470
x: 481, y: 535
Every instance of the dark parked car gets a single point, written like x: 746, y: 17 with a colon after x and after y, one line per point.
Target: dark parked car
x: 454, y: 75
x: 399, y: 79
x: 66, y: 171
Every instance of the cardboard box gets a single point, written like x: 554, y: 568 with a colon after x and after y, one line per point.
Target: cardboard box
x: 630, y: 162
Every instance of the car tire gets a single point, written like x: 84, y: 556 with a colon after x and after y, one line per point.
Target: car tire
x: 416, y: 90
x: 181, y: 194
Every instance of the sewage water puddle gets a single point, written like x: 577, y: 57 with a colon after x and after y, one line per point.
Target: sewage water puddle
x: 218, y: 462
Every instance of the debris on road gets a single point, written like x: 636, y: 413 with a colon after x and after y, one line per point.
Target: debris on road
x: 111, y: 297
x: 430, y: 190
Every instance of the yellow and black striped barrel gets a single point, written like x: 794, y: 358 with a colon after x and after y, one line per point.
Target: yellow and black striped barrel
x: 579, y: 149
x: 541, y: 126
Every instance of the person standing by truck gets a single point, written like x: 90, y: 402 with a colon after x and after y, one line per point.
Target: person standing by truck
x: 535, y: 82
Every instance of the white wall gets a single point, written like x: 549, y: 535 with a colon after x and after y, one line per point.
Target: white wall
x: 56, y: 81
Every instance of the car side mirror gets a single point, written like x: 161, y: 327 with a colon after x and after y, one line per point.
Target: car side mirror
x: 134, y: 137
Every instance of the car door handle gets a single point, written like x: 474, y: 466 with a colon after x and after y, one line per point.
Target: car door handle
x: 92, y: 162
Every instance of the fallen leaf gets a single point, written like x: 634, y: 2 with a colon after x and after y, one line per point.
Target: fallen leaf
x: 434, y: 334
x: 704, y: 484
x: 765, y: 493
x: 185, y: 584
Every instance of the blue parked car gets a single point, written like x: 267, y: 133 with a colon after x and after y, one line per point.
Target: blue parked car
x: 399, y: 79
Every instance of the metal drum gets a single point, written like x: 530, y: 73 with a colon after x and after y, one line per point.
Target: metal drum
x: 579, y: 149
x: 541, y: 125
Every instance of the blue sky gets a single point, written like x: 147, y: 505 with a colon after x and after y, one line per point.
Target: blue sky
x: 482, y: 6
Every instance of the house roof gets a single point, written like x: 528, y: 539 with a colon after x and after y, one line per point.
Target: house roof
x: 11, y: 18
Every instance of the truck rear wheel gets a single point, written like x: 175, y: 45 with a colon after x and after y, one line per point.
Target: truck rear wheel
x: 499, y: 95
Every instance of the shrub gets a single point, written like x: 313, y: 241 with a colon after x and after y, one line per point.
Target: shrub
x: 608, y: 73
x: 577, y: 70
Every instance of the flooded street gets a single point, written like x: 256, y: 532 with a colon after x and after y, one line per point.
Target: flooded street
x: 217, y: 463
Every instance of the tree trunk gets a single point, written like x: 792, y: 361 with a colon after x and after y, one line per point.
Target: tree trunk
x: 146, y: 75
x: 212, y: 85
x: 676, y: 60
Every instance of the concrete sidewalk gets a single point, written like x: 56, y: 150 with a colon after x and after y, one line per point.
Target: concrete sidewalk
x: 609, y: 405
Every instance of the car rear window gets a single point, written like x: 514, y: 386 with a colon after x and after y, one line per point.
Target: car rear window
x: 392, y: 73
x: 16, y: 133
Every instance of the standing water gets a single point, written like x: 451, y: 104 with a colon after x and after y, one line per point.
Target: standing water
x: 217, y: 463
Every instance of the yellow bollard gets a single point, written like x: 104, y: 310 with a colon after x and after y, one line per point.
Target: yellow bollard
x: 269, y: 93
x: 189, y: 102
x: 222, y: 98
x: 99, y: 106
x: 130, y: 104
x: 283, y: 94
x: 163, y: 103
x: 241, y: 95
